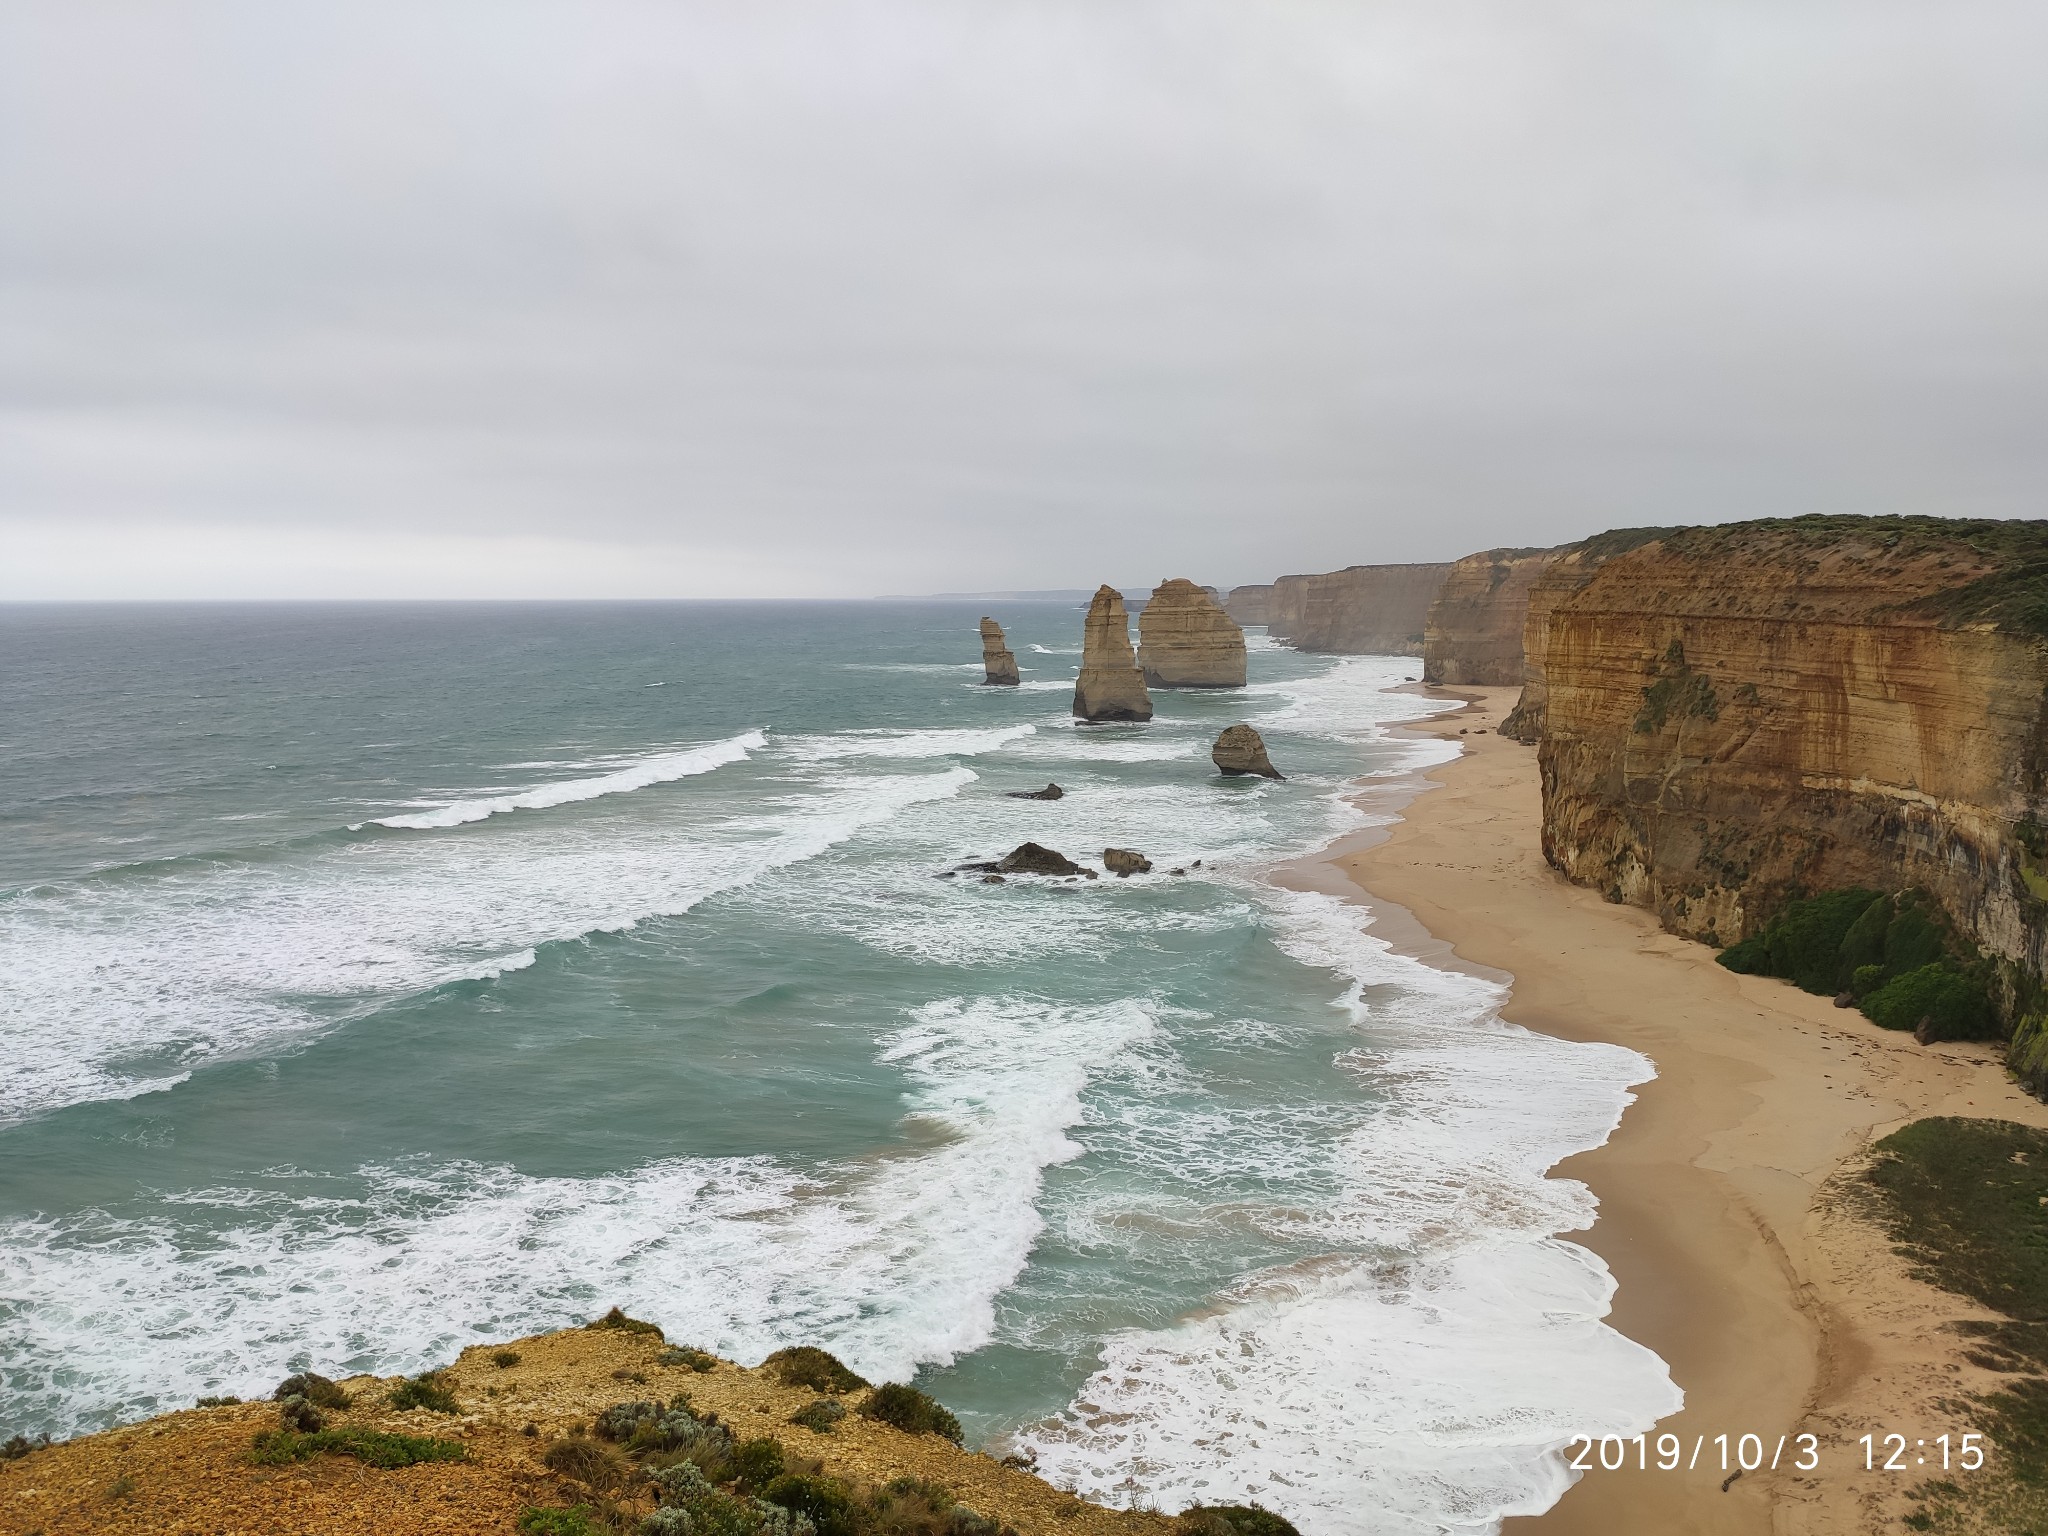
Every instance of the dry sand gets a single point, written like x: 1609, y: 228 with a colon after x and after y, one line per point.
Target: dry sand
x: 1728, y: 1210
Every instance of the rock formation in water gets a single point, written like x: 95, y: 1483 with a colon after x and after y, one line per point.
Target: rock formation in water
x: 1110, y: 686
x: 1242, y: 750
x: 998, y: 665
x: 1186, y: 640
x: 1125, y: 862
x: 1247, y: 605
x: 1036, y: 859
x: 1564, y: 571
x: 1474, y: 631
x: 1738, y: 715
x: 1050, y: 792
x: 1363, y: 610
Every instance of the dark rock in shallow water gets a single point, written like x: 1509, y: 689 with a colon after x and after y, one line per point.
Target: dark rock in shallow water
x: 1122, y: 862
x: 1050, y: 792
x: 993, y: 880
x: 1036, y: 859
x: 1242, y: 750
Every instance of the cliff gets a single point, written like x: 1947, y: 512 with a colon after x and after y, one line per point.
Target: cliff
x: 1110, y: 686
x: 1563, y: 572
x: 1362, y: 610
x: 1247, y: 605
x: 998, y: 664
x: 1474, y: 630
x: 1186, y: 640
x: 1739, y: 715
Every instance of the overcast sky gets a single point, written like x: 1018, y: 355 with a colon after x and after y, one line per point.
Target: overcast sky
x: 840, y: 297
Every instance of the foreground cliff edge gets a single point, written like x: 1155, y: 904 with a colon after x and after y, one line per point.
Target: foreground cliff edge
x: 572, y: 1433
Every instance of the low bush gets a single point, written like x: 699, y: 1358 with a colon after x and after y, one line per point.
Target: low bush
x: 617, y: 1320
x: 20, y: 1446
x: 692, y: 1506
x: 646, y: 1428
x: 377, y: 1448
x: 1235, y: 1520
x: 1953, y: 1006
x: 587, y: 1462
x: 296, y: 1413
x: 807, y: 1366
x: 689, y: 1359
x: 505, y: 1359
x: 819, y: 1417
x: 314, y: 1388
x: 221, y: 1400
x: 823, y: 1501
x: 910, y: 1410
x: 754, y: 1464
x: 577, y: 1521
x: 424, y: 1391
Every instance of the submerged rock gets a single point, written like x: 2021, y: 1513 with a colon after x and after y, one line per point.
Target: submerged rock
x: 1242, y: 750
x: 1110, y: 686
x: 1186, y: 640
x: 1124, y: 862
x: 1050, y: 792
x: 1036, y: 859
x: 999, y: 666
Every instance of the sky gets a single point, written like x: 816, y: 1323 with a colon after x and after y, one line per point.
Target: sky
x: 816, y: 298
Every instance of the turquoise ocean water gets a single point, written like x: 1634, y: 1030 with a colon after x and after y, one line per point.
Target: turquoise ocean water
x: 378, y: 979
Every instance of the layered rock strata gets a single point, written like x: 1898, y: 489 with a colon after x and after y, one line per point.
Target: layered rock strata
x: 1739, y: 715
x: 1564, y: 571
x: 1474, y: 630
x: 1110, y: 686
x: 1242, y: 750
x: 1186, y: 640
x: 1247, y: 605
x: 1362, y: 610
x: 999, y: 666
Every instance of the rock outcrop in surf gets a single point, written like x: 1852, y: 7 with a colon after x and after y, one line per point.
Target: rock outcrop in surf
x: 1239, y: 751
x: 1110, y: 686
x: 1125, y: 862
x: 1186, y: 640
x: 998, y: 664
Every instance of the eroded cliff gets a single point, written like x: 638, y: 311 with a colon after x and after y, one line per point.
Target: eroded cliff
x: 1247, y: 605
x: 1110, y: 686
x: 1564, y: 570
x: 1474, y: 630
x: 1739, y: 715
x: 1362, y: 610
x: 1186, y: 640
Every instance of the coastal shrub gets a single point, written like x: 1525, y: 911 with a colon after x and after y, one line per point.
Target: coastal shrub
x: 575, y: 1521
x: 754, y: 1464
x: 296, y: 1413
x: 505, y: 1359
x: 20, y: 1446
x: 819, y: 1417
x: 619, y: 1322
x: 823, y: 1501
x: 1805, y: 942
x: 376, y: 1447
x: 425, y: 1390
x: 908, y: 1409
x: 587, y: 1462
x: 820, y: 1370
x: 1955, y: 1006
x: 692, y: 1506
x: 314, y: 1388
x: 689, y: 1359
x: 645, y: 1428
x: 218, y: 1401
x: 1235, y: 1520
x: 912, y: 1506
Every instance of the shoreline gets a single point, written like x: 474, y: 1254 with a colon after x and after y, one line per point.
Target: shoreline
x: 1726, y: 1209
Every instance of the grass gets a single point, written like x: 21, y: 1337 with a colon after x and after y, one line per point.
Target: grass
x: 221, y: 1400
x: 588, y: 1462
x: 424, y: 1391
x: 819, y: 1417
x: 314, y: 1388
x: 908, y: 1409
x: 618, y: 1321
x: 574, y: 1521
x: 689, y: 1359
x: 505, y: 1359
x: 1967, y: 1203
x: 375, y: 1447
x: 1235, y: 1520
x: 820, y: 1370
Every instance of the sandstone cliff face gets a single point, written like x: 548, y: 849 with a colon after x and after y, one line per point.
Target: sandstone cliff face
x: 999, y: 666
x: 1110, y: 686
x: 1474, y: 630
x: 1362, y: 610
x: 1247, y: 605
x: 1564, y: 571
x: 1742, y: 714
x: 1186, y: 640
x: 1241, y: 750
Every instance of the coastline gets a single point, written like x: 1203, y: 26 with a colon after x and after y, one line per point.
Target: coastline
x: 1727, y: 1212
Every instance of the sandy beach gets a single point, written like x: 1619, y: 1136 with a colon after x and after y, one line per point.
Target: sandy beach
x: 1729, y: 1211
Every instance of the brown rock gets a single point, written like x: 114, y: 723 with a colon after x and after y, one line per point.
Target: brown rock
x: 1474, y: 632
x: 1362, y: 610
x: 998, y: 665
x: 1124, y: 862
x: 1242, y: 750
x: 1564, y: 572
x: 1247, y: 605
x: 1185, y: 640
x: 1050, y: 792
x: 1110, y: 686
x: 1036, y: 859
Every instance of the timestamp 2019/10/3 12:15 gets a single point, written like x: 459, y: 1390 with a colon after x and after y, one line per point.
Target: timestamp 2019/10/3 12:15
x: 1752, y: 1452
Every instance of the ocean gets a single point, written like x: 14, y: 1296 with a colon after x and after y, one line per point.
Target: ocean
x: 377, y: 979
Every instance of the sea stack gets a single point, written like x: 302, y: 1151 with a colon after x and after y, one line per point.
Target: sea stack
x: 1241, y: 750
x: 1186, y: 640
x: 997, y: 663
x: 1110, y: 686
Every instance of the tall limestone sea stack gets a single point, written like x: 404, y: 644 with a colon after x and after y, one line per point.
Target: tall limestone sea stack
x: 998, y: 665
x: 1110, y: 686
x: 1185, y: 640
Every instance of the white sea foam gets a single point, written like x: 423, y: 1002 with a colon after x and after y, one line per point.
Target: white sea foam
x: 904, y: 744
x: 192, y: 965
x: 893, y: 1262
x: 658, y: 768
